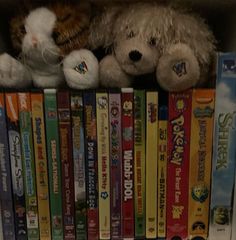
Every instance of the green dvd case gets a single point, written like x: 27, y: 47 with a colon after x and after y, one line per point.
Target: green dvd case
x: 28, y: 165
x: 54, y: 163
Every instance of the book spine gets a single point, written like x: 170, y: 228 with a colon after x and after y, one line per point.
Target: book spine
x: 28, y: 165
x: 41, y: 165
x: 223, y: 160
x: 200, y: 164
x: 91, y: 164
x: 7, y: 212
x: 79, y: 165
x: 103, y: 164
x: 162, y: 171
x: 16, y: 165
x: 151, y: 163
x: 179, y: 126
x: 139, y: 162
x: 115, y: 163
x: 68, y: 207
x: 54, y: 162
x: 127, y: 163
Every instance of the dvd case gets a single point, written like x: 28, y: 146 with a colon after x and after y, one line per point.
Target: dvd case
x: 16, y: 165
x: 54, y: 162
x: 224, y: 150
x: 89, y: 98
x: 41, y: 164
x: 102, y: 106
x: 179, y: 126
x: 115, y: 162
x: 127, y: 100
x: 79, y: 165
x: 162, y: 171
x: 139, y: 162
x: 202, y: 120
x: 26, y: 133
x: 65, y: 132
x: 151, y: 162
x: 6, y: 200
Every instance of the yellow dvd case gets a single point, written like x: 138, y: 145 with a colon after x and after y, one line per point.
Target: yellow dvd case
x: 41, y: 165
x: 151, y: 163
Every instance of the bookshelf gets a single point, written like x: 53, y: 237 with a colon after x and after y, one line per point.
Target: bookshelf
x: 220, y: 15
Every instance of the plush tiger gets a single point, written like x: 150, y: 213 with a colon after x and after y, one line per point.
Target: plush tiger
x: 51, y: 41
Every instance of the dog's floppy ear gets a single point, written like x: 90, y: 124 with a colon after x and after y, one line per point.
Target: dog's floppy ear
x: 100, y: 34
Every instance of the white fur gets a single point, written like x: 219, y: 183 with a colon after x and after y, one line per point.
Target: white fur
x: 40, y: 20
x: 39, y: 50
x: 12, y: 73
x: 168, y: 27
x: 115, y: 77
x: 168, y: 78
x: 81, y: 80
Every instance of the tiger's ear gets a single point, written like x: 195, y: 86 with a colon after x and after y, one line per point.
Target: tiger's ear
x: 100, y: 32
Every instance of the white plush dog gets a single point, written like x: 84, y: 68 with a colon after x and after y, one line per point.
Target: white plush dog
x: 147, y: 38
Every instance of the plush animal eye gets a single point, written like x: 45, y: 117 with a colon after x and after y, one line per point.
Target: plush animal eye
x: 130, y: 34
x: 152, y: 41
x: 55, y: 35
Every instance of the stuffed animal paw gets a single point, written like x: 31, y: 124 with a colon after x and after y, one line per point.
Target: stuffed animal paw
x: 13, y: 74
x: 178, y: 68
x: 81, y: 69
x: 146, y: 39
x: 112, y: 75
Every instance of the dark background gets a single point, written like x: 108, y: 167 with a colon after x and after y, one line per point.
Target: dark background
x: 219, y: 14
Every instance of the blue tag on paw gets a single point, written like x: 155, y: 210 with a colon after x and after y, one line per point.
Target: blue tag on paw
x: 81, y: 68
x: 180, y: 68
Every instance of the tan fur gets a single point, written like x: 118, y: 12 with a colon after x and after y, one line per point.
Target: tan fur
x: 71, y: 27
x: 17, y: 31
x: 151, y: 30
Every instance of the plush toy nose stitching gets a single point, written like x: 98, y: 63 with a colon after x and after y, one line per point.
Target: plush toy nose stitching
x: 135, y: 56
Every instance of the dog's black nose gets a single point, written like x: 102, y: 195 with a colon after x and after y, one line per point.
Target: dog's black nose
x: 135, y: 56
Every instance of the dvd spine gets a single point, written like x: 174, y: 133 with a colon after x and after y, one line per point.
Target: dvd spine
x: 139, y: 162
x: 54, y: 162
x: 151, y: 163
x: 16, y: 165
x: 89, y: 98
x: 162, y: 171
x: 200, y: 164
x: 115, y: 162
x: 127, y: 163
x: 41, y: 164
x: 79, y: 165
x: 103, y: 164
x: 68, y: 207
x: 223, y: 160
x: 28, y: 165
x: 7, y: 212
x: 179, y: 127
